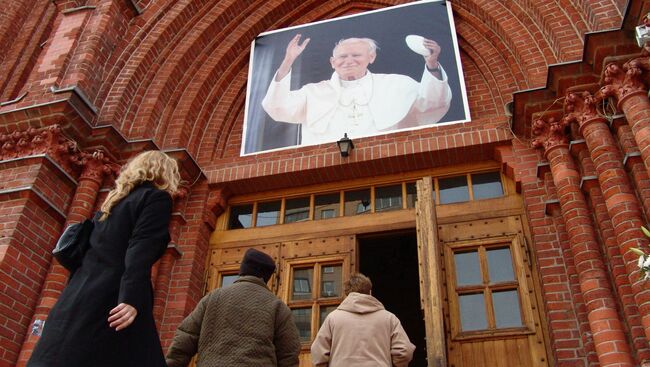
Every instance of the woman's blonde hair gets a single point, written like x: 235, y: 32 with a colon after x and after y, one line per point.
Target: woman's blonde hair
x: 154, y: 166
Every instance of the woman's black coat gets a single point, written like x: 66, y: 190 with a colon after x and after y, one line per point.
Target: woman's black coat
x: 116, y: 269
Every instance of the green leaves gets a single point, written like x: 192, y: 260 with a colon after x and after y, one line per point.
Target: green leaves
x: 645, y: 231
x: 637, y: 251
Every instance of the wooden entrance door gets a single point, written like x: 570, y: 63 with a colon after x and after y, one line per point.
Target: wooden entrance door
x: 481, y: 268
x: 309, y: 279
x: 463, y: 250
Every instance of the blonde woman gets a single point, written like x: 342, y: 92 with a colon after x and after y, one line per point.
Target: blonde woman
x: 104, y: 315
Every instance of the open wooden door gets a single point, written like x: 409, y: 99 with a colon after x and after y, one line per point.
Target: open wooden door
x: 430, y: 273
x: 478, y: 297
x: 477, y: 283
x: 309, y: 278
x: 493, y: 315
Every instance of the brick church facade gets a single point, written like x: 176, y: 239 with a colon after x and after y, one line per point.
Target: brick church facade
x: 558, y: 94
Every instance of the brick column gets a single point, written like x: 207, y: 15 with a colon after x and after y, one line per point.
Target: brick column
x: 634, y: 164
x: 163, y: 278
x: 620, y: 198
x: 626, y: 85
x: 612, y: 251
x: 166, y: 263
x: 83, y: 203
x: 609, y: 337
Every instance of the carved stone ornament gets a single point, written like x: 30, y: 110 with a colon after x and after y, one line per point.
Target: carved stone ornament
x: 94, y: 166
x: 51, y: 141
x: 581, y: 107
x: 180, y: 197
x: 622, y: 81
x: 549, y: 133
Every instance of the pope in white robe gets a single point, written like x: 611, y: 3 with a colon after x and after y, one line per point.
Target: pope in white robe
x: 355, y: 101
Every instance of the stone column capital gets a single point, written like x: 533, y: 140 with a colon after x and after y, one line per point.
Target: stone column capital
x: 626, y: 80
x: 582, y: 108
x: 94, y: 165
x: 180, y: 197
x: 550, y: 133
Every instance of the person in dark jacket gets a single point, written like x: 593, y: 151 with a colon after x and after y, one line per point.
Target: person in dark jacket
x: 104, y: 315
x: 240, y: 325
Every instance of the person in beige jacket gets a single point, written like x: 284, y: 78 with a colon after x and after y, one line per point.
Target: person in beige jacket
x: 361, y: 333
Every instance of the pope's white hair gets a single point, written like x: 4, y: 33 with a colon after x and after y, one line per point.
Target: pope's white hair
x: 372, y: 44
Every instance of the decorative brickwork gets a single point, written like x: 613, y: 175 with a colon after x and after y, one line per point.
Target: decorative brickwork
x: 87, y: 84
x: 609, y: 338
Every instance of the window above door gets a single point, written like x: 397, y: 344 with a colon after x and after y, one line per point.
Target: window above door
x: 362, y: 200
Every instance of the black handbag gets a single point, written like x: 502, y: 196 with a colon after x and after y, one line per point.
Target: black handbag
x: 73, y: 244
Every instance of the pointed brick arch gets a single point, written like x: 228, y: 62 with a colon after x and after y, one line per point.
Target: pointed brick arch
x: 511, y: 34
x: 218, y: 74
x: 153, y: 33
x: 484, y: 100
x: 491, y: 63
x: 494, y: 66
x: 561, y: 25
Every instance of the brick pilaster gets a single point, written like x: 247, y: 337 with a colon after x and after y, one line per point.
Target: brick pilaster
x: 608, y: 333
x: 626, y: 85
x: 634, y: 164
x: 616, y: 263
x: 166, y: 263
x: 163, y: 278
x: 620, y: 198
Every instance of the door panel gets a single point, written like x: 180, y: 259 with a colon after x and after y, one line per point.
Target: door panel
x: 486, y: 227
x: 331, y: 260
x: 226, y: 261
x: 313, y: 272
x: 430, y: 272
x: 487, y: 278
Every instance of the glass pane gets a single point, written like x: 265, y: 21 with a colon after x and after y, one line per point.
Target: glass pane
x: 506, y: 309
x: 241, y: 216
x: 302, y: 281
x: 327, y: 206
x: 472, y: 312
x: 388, y: 198
x: 468, y: 269
x: 302, y: 318
x: 487, y: 185
x: 500, y: 265
x: 411, y: 194
x: 268, y: 214
x: 228, y: 279
x: 357, y: 202
x: 296, y: 210
x: 453, y: 189
x: 331, y: 281
x: 324, y: 311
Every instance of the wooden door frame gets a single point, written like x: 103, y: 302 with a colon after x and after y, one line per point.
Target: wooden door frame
x: 431, y: 296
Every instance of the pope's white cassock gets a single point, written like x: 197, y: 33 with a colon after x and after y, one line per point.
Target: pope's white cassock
x: 371, y: 105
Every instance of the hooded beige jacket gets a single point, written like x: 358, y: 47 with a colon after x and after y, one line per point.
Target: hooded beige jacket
x: 361, y: 333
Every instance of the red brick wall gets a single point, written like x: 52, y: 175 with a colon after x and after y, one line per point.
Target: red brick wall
x: 176, y: 75
x: 29, y: 227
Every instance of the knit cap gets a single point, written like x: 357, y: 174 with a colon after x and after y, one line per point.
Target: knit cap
x: 258, y: 264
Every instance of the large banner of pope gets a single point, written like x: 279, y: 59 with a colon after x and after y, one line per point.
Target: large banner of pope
x: 367, y: 74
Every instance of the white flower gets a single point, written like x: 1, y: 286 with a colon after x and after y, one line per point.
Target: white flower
x: 646, y: 263
x: 640, y: 263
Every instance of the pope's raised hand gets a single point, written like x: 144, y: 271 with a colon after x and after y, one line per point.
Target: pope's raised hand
x: 434, y: 49
x: 295, y: 48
